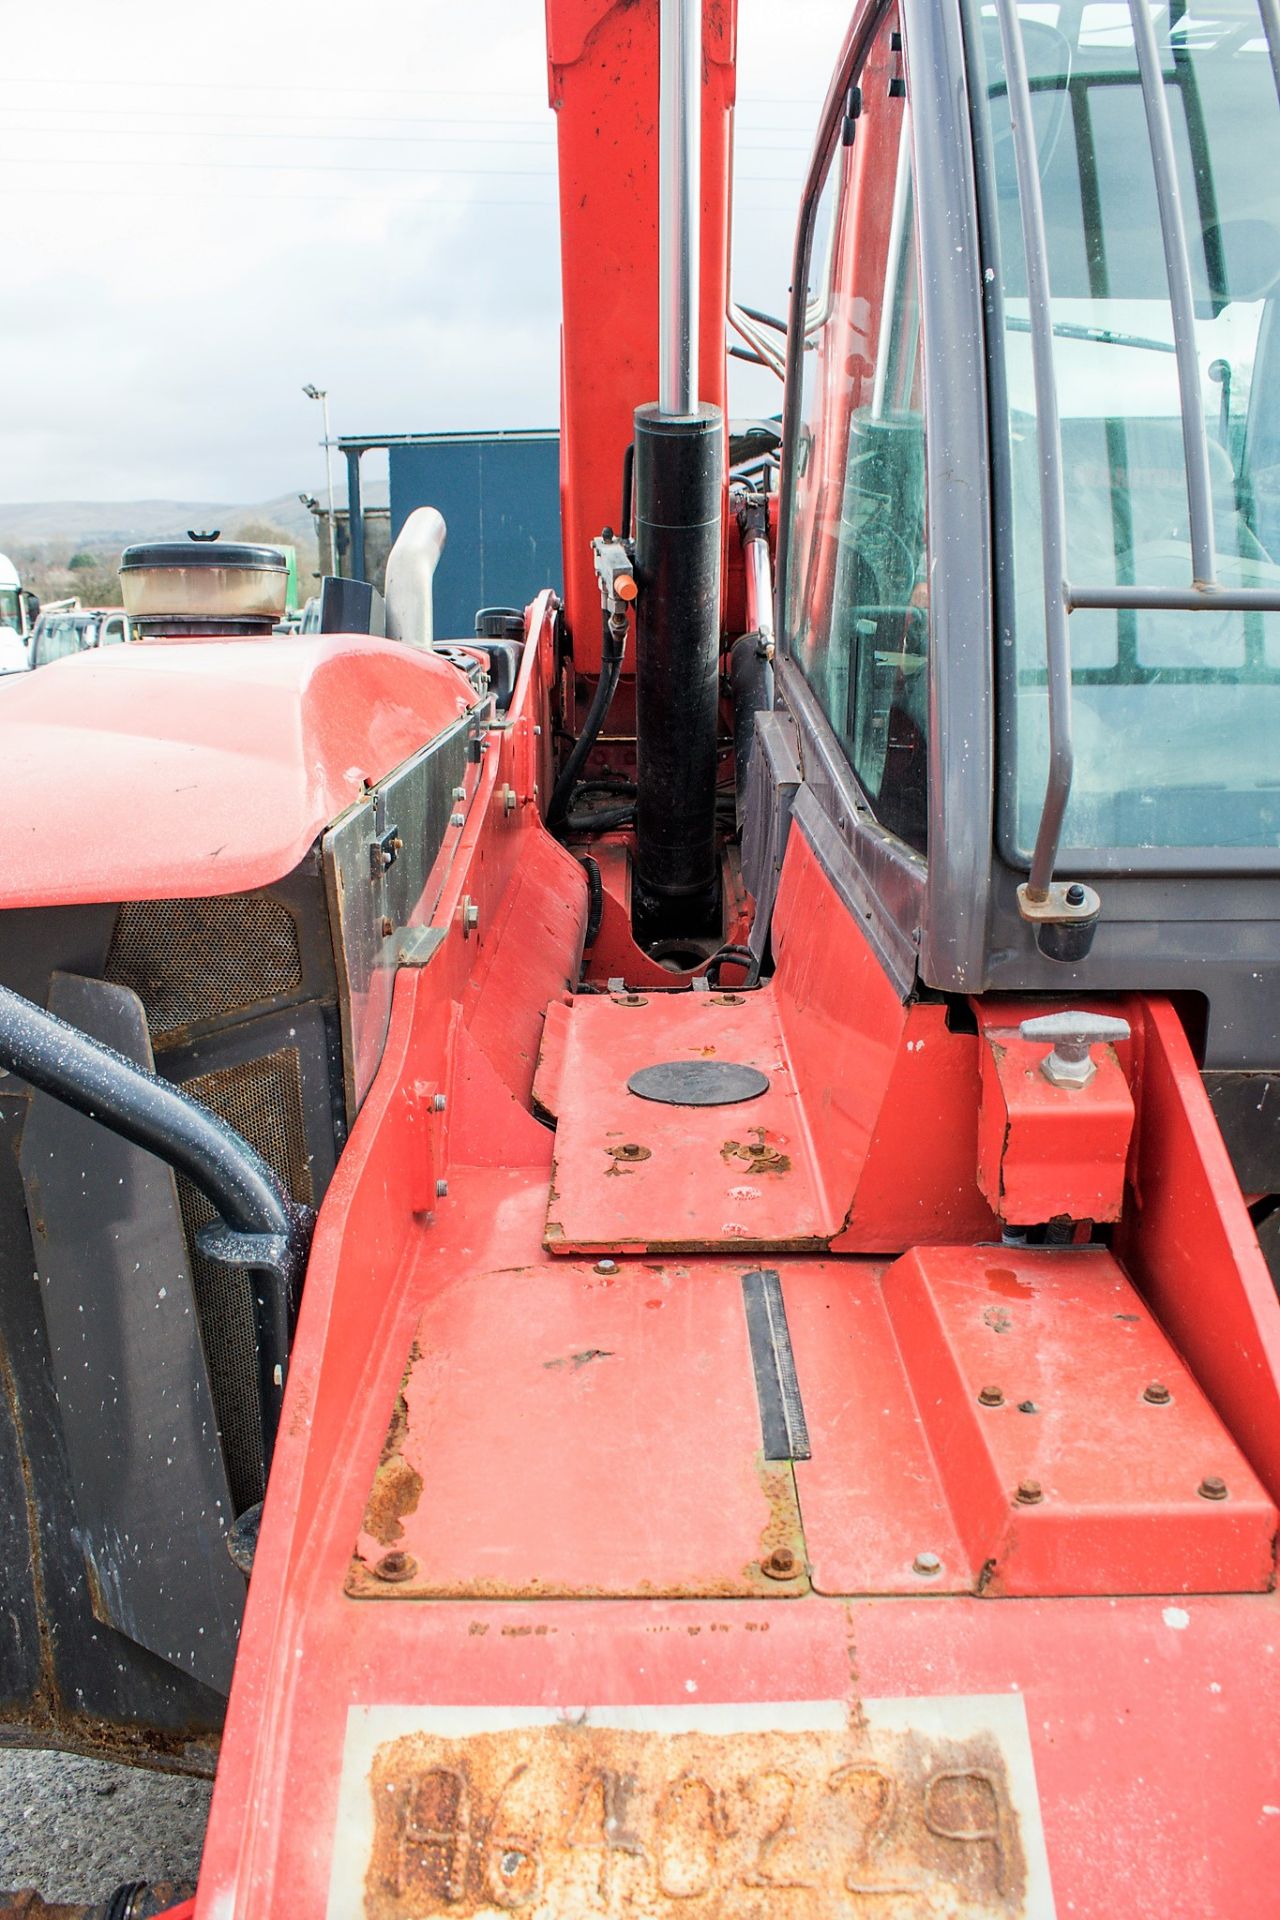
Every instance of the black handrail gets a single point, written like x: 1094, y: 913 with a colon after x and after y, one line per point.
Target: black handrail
x: 259, y: 1226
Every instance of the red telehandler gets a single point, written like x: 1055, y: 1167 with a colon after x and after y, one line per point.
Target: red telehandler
x: 688, y: 1181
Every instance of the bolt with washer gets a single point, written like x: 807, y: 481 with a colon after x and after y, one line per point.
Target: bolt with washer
x: 606, y: 1266
x: 1212, y: 1487
x: 990, y: 1397
x: 927, y: 1565
x: 780, y: 1564
x: 395, y: 1567
x: 1030, y: 1493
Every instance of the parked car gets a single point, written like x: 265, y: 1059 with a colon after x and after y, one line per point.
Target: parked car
x: 58, y: 634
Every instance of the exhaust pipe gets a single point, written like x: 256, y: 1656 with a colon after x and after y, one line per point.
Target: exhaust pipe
x: 679, y: 483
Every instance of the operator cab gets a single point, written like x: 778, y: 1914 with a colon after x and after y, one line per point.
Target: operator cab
x: 1030, y: 526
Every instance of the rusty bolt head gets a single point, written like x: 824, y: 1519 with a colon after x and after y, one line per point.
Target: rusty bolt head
x: 395, y: 1566
x: 388, y: 927
x: 1030, y: 1493
x: 630, y: 1000
x: 1158, y: 1394
x: 1212, y: 1487
x: 729, y: 999
x: 606, y: 1266
x: 630, y: 1150
x: 927, y: 1565
x: 780, y: 1564
x: 990, y: 1397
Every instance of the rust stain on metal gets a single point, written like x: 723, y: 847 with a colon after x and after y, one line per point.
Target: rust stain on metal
x: 857, y: 1713
x: 577, y: 1361
x: 641, y: 1824
x: 781, y: 1562
x: 781, y: 1535
x: 397, y: 1487
x: 755, y: 1154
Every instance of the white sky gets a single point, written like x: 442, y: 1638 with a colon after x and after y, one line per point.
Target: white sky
x: 206, y: 207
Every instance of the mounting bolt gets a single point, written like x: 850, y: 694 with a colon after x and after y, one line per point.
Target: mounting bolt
x: 990, y: 1397
x: 457, y: 819
x: 780, y: 1564
x: 469, y: 913
x: 1212, y: 1488
x: 926, y: 1565
x: 388, y: 926
x: 606, y: 1266
x: 1157, y: 1393
x: 395, y: 1566
x: 1072, y: 1034
x: 1030, y: 1493
x: 440, y: 1102
x: 459, y: 793
x: 442, y: 1188
x: 1075, y: 894
x: 509, y: 798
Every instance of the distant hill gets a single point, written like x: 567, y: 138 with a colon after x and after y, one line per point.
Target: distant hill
x: 91, y: 524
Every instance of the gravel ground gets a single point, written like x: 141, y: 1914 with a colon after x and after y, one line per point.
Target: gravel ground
x: 74, y: 1829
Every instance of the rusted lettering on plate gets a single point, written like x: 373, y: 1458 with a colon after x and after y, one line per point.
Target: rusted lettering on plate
x: 579, y: 1819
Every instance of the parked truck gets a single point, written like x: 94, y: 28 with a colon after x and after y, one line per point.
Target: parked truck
x: 18, y: 611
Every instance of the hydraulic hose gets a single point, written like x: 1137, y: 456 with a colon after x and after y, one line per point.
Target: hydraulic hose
x: 606, y: 686
x: 259, y: 1225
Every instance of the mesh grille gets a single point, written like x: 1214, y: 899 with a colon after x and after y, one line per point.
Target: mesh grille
x: 262, y: 1099
x: 196, y: 959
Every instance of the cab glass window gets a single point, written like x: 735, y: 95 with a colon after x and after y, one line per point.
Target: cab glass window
x: 1175, y: 712
x: 59, y: 639
x: 857, y: 583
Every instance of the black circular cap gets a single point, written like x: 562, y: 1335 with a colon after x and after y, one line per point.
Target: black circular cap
x: 699, y: 1083
x: 499, y: 623
x: 204, y: 553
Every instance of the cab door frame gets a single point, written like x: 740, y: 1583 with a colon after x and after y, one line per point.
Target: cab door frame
x: 926, y: 918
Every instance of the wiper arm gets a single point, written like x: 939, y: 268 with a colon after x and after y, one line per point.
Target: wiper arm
x: 1076, y: 330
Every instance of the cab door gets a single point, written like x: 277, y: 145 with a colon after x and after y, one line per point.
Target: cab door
x: 884, y: 597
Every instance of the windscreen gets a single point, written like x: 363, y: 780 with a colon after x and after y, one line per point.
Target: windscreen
x: 1175, y: 712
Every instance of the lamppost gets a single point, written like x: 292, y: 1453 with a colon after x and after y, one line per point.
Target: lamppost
x: 321, y: 394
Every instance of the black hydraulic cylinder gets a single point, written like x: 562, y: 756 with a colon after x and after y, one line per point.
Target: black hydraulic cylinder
x: 751, y: 682
x: 679, y: 477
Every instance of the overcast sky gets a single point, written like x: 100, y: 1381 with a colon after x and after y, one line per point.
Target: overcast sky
x: 207, y: 206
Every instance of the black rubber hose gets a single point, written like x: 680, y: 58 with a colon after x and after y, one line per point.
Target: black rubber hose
x: 606, y: 686
x: 259, y: 1226
x: 739, y: 957
x: 628, y: 488
x: 104, y: 1085
x: 595, y: 900
x: 603, y: 820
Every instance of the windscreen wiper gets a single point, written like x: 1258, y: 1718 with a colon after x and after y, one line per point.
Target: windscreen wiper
x: 1076, y: 330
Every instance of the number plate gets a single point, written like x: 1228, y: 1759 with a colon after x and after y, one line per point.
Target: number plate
x: 917, y: 1807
